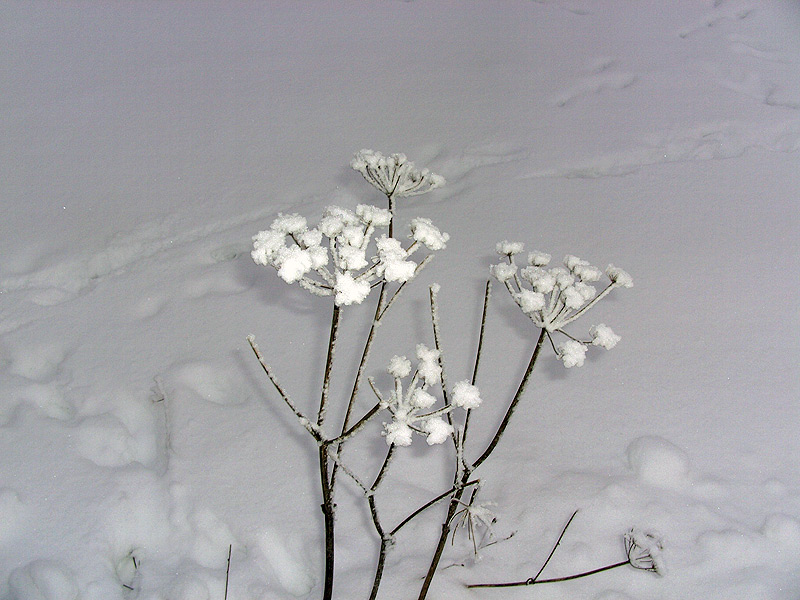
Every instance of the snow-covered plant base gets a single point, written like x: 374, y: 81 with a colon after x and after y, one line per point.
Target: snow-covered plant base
x: 346, y: 256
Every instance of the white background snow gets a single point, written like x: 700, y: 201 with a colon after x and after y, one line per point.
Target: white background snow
x: 143, y: 144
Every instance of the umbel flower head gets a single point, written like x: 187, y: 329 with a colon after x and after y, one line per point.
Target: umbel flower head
x: 337, y: 258
x: 644, y: 551
x: 555, y: 297
x: 394, y: 175
x: 411, y: 406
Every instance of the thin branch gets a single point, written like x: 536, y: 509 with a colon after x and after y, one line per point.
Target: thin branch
x: 437, y: 339
x: 430, y: 503
x: 358, y: 426
x: 517, y: 396
x: 326, y: 381
x: 531, y: 581
x: 338, y: 461
x: 555, y: 547
x: 228, y: 570
x: 402, y: 286
x: 487, y: 294
x: 384, y: 467
x: 304, y: 421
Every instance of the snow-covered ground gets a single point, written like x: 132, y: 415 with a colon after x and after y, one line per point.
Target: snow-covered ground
x: 143, y: 144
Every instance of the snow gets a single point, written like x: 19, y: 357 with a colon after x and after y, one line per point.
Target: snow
x: 144, y: 145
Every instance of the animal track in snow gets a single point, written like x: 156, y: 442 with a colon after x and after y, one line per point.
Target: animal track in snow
x: 753, y: 85
x: 602, y: 77
x: 716, y: 18
x: 477, y: 157
x: 753, y: 47
x: 710, y: 141
x: 118, y: 431
x: 220, y: 385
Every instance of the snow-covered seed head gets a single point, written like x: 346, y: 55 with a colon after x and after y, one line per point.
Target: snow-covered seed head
x: 394, y: 175
x: 538, y: 259
x: 438, y: 430
x: 506, y: 248
x: 425, y: 232
x: 553, y: 298
x: 335, y: 257
x: 399, y: 367
x: 428, y: 367
x: 619, y: 277
x: 466, y: 395
x: 398, y: 433
x: 504, y: 271
x: 644, y: 551
x: 349, y: 290
x: 572, y: 353
x: 603, y: 336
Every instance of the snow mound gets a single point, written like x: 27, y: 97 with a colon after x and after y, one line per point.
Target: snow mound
x: 289, y: 568
x: 43, y: 580
x: 658, y: 462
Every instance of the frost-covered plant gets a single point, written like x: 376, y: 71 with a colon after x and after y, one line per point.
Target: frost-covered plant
x: 346, y: 255
x: 553, y: 298
x: 337, y: 258
x: 643, y: 551
x: 412, y: 408
x: 394, y: 175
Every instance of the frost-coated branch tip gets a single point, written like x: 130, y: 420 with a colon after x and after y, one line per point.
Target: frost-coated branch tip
x: 394, y: 175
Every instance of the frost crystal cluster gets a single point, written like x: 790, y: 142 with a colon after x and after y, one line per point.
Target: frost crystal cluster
x: 412, y: 406
x: 555, y: 297
x: 336, y: 257
x: 394, y: 175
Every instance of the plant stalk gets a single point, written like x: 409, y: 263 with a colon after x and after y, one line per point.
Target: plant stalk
x: 461, y: 485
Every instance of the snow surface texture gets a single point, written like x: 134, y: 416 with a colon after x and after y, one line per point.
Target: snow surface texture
x: 143, y: 145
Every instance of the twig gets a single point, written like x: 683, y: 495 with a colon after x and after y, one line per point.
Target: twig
x: 517, y: 396
x: 308, y: 425
x: 531, y: 580
x: 430, y: 503
x: 228, y: 570
x: 555, y: 547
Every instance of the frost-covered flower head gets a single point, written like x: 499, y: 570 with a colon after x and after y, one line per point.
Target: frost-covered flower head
x: 555, y: 297
x: 394, y: 175
x: 337, y: 256
x: 411, y: 405
x: 644, y: 551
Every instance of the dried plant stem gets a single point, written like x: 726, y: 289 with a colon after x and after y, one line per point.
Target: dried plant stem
x: 386, y: 539
x: 304, y: 421
x: 379, y: 310
x: 487, y: 295
x: 228, y: 570
x: 555, y: 547
x: 459, y: 485
x: 514, y: 402
x: 532, y: 581
x: 430, y: 503
x: 328, y: 506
